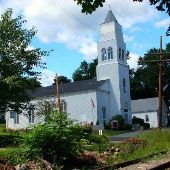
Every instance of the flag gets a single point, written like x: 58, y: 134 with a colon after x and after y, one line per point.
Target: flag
x: 92, y: 103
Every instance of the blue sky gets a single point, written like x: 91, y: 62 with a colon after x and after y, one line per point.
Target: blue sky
x: 73, y: 36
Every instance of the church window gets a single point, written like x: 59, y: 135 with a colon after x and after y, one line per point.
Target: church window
x: 119, y: 53
x: 104, y: 113
x: 104, y: 55
x: 63, y: 106
x: 31, y: 114
x: 146, y: 118
x: 124, y: 85
x: 123, y: 55
x: 110, y: 53
x: 14, y: 115
x: 16, y: 119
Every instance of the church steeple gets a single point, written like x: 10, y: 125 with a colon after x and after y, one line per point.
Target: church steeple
x: 110, y: 17
x: 111, y: 46
x: 112, y: 66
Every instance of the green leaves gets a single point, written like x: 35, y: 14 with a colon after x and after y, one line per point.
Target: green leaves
x: 85, y: 71
x: 55, y: 141
x: 88, y: 6
x: 18, y: 62
x: 144, y: 81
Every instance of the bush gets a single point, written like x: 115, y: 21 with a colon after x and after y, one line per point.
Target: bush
x: 136, y: 120
x: 146, y: 125
x: 121, y: 122
x: 58, y: 139
x: 126, y: 127
x: 95, y: 138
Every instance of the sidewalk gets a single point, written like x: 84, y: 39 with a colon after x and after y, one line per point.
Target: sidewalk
x: 124, y: 136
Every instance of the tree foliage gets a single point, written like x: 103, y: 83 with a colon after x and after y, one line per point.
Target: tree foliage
x: 85, y: 71
x: 18, y: 62
x: 62, y: 79
x: 144, y: 81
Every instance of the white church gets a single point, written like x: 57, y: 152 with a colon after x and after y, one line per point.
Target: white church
x: 92, y: 100
x: 96, y: 99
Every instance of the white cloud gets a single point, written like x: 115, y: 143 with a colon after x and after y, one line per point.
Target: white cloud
x: 47, y: 78
x: 62, y: 21
x: 128, y: 38
x: 135, y: 29
x: 137, y: 46
x: 133, y: 61
x: 163, y: 23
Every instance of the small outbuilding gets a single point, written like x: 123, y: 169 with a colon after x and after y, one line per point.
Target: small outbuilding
x: 147, y: 109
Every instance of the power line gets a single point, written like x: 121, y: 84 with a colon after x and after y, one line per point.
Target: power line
x: 77, y: 19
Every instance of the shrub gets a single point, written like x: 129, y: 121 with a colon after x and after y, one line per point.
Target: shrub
x: 136, y: 120
x: 146, y: 125
x: 120, y: 119
x: 58, y: 139
x: 126, y: 127
x: 95, y: 138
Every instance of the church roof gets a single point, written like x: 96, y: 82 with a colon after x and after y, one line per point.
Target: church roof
x: 110, y: 17
x: 144, y: 105
x: 65, y: 88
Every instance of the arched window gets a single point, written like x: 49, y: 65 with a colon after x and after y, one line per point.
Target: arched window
x: 123, y: 55
x: 110, y: 53
x: 103, y: 54
x: 119, y: 53
x: 104, y: 112
x: 124, y: 85
x: 31, y: 113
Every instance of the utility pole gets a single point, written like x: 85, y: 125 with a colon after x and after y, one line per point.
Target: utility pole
x: 160, y: 86
x: 160, y: 91
x: 57, y: 93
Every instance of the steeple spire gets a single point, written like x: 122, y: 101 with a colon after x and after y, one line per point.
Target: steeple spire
x: 110, y: 17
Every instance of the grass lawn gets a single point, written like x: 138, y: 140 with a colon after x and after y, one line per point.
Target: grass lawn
x: 149, y: 143
x: 10, y: 148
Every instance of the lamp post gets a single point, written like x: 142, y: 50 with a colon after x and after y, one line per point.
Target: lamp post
x: 57, y: 93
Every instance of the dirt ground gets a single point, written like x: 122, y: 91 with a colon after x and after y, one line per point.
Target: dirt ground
x: 4, y: 165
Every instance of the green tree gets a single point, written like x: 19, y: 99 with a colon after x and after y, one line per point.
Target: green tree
x: 62, y: 79
x: 18, y: 62
x: 85, y: 71
x: 91, y: 5
x: 144, y: 81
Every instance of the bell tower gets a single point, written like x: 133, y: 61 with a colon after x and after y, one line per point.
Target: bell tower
x: 112, y: 65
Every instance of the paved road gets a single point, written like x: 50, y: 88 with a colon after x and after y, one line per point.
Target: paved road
x: 124, y: 136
